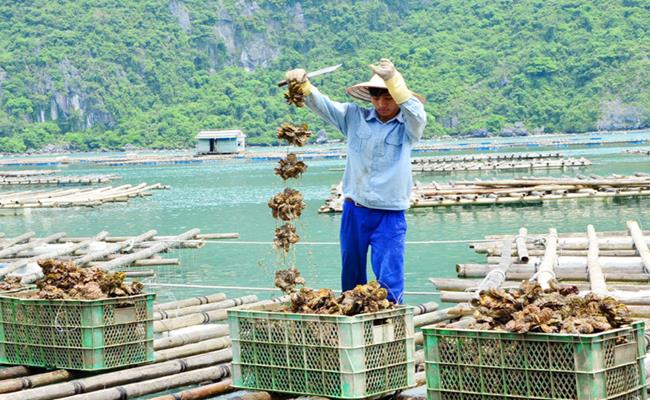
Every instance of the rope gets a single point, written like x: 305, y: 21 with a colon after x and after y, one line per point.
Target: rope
x: 338, y: 243
x: 261, y: 289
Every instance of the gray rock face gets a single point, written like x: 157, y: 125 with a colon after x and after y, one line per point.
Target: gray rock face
x: 179, y: 10
x: 617, y: 115
x: 517, y: 129
x: 3, y: 77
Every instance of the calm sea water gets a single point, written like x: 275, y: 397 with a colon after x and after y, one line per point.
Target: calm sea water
x: 231, y: 196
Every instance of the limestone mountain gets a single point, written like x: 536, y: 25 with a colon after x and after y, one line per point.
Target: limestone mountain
x: 91, y: 74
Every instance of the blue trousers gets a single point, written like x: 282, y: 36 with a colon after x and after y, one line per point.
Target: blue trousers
x: 385, y: 232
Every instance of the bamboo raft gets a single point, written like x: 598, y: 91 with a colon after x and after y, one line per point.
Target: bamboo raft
x: 27, y: 172
x: 75, y: 197
x: 514, y: 191
x: 18, y: 255
x: 638, y: 151
x: 192, y: 349
x: 613, y: 263
x: 487, y: 164
x: 56, y: 180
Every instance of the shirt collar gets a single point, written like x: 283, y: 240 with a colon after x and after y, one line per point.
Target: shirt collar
x: 373, y: 114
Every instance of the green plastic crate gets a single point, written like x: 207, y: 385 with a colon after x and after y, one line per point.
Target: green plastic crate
x: 76, y: 334
x: 323, y: 355
x: 480, y: 365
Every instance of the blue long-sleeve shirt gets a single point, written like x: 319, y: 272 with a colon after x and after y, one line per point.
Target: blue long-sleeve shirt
x: 378, y: 167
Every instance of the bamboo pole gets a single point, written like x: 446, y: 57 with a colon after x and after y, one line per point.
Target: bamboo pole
x: 194, y: 301
x: 538, y: 252
x: 442, y: 315
x: 596, y: 277
x: 520, y: 242
x: 209, y: 316
x: 139, y: 274
x: 192, y: 349
x: 248, y: 395
x: 154, y: 262
x: 114, y: 248
x: 164, y: 325
x: 139, y: 375
x: 162, y: 314
x: 425, y: 308
x: 148, y: 252
x: 31, y: 244
x: 567, y: 262
x: 463, y: 284
x: 640, y: 244
x: 200, y: 236
x: 16, y: 240
x: 47, y: 378
x: 132, y: 390
x: 545, y: 273
x: 209, y: 332
x: 201, y: 392
x: 496, y: 276
x: 69, y: 249
x: 15, y: 372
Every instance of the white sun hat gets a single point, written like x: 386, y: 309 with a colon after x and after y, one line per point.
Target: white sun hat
x: 360, y: 90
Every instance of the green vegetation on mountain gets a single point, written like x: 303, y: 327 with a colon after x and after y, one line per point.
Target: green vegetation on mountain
x: 90, y: 74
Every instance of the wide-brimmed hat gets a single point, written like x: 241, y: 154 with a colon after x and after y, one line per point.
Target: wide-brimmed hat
x: 360, y: 90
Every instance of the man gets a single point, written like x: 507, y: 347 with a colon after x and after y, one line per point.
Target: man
x: 377, y: 180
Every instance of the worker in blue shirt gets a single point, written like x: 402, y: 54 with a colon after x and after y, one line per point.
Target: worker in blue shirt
x: 377, y: 180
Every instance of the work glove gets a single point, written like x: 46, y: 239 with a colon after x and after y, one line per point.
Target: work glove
x: 385, y: 69
x: 300, y: 76
x: 393, y: 79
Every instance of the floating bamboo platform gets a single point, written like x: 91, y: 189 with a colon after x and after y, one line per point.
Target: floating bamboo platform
x: 57, y: 180
x: 192, y: 352
x: 442, y: 165
x: 639, y: 151
x: 488, y: 144
x: 19, y: 254
x: 26, y: 173
x: 515, y: 191
x: 75, y: 197
x: 609, y: 263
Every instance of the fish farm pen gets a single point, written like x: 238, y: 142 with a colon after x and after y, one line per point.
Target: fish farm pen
x: 339, y: 152
x: 514, y: 191
x: 74, y: 197
x: 431, y: 164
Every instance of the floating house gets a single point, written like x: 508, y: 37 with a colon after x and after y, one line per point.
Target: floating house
x: 220, y: 142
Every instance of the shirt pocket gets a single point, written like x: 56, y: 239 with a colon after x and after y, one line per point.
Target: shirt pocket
x: 358, y: 138
x: 393, y: 145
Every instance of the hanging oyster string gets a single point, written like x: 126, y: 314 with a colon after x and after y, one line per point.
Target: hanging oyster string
x: 294, y: 95
x: 290, y: 167
x: 295, y: 135
x: 285, y: 236
x: 287, y: 205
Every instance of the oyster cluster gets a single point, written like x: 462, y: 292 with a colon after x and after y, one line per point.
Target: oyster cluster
x: 362, y: 299
x: 295, y: 94
x: 11, y: 283
x: 555, y: 310
x: 295, y: 135
x: 64, y: 280
x: 287, y: 280
x: 285, y: 236
x: 287, y: 205
x: 290, y: 167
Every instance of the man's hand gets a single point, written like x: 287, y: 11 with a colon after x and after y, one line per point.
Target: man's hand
x: 299, y: 75
x: 385, y: 69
